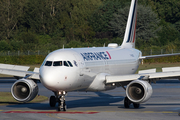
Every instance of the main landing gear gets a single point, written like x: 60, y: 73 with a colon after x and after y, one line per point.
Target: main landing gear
x: 60, y: 99
x: 127, y: 103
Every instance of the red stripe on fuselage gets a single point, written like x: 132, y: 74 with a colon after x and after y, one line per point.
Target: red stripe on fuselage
x: 108, y: 54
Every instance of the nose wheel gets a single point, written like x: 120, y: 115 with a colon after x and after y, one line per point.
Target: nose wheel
x: 62, y: 103
x: 60, y: 99
x: 52, y: 101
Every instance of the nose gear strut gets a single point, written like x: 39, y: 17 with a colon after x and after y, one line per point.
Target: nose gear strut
x: 60, y: 98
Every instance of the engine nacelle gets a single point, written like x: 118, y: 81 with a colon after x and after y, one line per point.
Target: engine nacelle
x: 24, y: 90
x: 139, y: 91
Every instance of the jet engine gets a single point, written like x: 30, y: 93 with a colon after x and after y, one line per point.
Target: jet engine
x: 24, y: 90
x: 139, y: 91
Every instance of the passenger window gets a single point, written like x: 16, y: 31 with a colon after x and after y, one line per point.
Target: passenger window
x: 65, y: 64
x: 57, y: 63
x: 70, y: 63
x: 48, y: 63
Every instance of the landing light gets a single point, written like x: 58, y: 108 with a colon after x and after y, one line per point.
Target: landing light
x: 64, y: 92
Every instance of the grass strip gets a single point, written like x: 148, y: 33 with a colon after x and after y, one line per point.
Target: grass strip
x: 7, y: 99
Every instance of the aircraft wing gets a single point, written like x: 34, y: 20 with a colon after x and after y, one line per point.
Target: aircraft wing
x: 157, y: 56
x: 151, y: 74
x: 19, y: 71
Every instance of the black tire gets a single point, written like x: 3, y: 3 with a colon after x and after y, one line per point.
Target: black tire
x: 127, y: 102
x: 136, y: 105
x: 64, y: 106
x: 52, y: 101
x: 59, y: 109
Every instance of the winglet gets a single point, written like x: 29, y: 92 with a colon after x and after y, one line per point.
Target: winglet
x: 130, y: 33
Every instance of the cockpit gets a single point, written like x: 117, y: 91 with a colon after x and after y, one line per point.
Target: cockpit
x: 59, y: 63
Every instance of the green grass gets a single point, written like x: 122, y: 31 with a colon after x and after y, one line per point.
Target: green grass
x: 6, y: 99
x: 158, y: 66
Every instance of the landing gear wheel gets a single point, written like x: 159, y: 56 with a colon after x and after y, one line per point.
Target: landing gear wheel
x: 127, y: 102
x: 59, y: 108
x: 61, y: 102
x: 52, y: 101
x: 136, y: 105
x: 62, y: 107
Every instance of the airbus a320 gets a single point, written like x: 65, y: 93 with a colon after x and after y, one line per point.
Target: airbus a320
x: 91, y: 69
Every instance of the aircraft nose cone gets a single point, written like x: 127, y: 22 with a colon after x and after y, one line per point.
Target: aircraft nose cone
x: 48, y: 78
x: 54, y: 79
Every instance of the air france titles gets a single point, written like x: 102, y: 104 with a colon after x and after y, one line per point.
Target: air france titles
x: 95, y: 56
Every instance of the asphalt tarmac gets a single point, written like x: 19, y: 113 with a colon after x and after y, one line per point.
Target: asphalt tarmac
x: 164, y: 104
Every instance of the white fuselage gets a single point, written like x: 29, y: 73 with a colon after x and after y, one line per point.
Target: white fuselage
x: 76, y: 69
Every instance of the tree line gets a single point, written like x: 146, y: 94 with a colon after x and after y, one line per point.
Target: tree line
x: 50, y: 24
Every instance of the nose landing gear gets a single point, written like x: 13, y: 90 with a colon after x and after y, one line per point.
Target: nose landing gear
x: 60, y: 99
x: 62, y: 103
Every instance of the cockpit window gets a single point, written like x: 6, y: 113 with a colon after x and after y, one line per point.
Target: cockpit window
x: 70, y: 63
x: 66, y: 64
x: 48, y: 63
x: 75, y: 63
x: 57, y: 63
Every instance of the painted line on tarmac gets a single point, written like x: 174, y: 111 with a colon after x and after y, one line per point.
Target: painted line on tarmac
x: 149, y: 111
x: 83, y: 112
x: 142, y: 111
x: 57, y: 112
x: 58, y: 117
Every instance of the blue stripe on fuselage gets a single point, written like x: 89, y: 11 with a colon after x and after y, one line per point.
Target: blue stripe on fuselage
x: 131, y: 23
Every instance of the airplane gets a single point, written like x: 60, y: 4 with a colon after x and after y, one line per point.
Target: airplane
x: 91, y: 69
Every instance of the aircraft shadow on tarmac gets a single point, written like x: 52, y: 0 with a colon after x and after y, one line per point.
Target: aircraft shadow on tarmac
x: 102, y: 99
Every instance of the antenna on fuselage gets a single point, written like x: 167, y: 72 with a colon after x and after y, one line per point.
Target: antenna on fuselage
x: 63, y: 46
x: 104, y: 45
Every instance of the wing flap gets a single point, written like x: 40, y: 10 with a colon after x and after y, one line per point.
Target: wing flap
x: 173, y: 74
x: 147, y: 71
x: 168, y: 69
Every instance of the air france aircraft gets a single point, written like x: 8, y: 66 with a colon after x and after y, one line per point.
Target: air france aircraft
x: 91, y: 69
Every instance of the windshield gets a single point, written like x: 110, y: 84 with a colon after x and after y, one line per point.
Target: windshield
x: 57, y: 63
x: 48, y: 63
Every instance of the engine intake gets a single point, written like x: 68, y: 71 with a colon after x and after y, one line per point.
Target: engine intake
x: 139, y: 91
x: 24, y: 90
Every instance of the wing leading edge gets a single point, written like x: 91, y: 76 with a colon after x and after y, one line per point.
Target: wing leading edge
x: 158, y: 56
x: 19, y: 71
x: 171, y: 72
